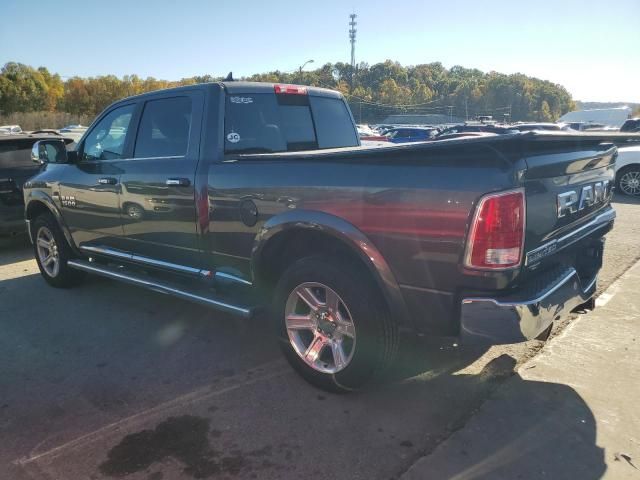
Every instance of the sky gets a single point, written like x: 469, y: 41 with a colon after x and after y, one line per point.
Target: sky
x: 590, y: 47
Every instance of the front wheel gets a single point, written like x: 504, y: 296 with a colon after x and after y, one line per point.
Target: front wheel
x: 52, y: 253
x: 333, y: 327
x: 628, y: 180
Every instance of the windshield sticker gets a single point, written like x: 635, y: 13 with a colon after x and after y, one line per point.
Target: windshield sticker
x: 241, y: 99
x: 233, y: 137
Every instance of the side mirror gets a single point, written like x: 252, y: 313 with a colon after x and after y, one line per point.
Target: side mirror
x: 49, y: 151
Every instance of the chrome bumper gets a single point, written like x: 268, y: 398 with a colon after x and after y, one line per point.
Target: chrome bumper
x: 526, y: 315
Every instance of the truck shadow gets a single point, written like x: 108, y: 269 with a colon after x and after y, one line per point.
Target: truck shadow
x: 15, y: 248
x: 104, y: 361
x: 513, y: 427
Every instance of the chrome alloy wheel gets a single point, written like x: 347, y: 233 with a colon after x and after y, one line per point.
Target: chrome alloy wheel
x: 48, y: 251
x: 320, y: 327
x: 630, y: 182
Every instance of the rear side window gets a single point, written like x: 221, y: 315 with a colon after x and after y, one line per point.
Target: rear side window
x: 15, y: 154
x: 265, y: 123
x: 164, y: 128
x: 334, y: 126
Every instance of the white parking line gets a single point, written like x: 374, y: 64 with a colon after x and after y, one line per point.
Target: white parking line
x: 275, y: 368
x: 611, y: 291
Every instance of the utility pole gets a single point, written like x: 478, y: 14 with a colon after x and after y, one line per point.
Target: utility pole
x: 352, y: 39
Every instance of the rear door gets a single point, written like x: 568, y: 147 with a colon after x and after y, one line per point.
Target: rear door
x: 157, y: 198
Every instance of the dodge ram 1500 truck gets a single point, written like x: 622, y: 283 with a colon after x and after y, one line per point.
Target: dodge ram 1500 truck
x: 244, y: 195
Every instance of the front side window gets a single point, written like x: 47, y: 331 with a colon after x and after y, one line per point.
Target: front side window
x: 107, y: 139
x: 164, y: 128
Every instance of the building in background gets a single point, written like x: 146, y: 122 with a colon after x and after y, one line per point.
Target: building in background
x: 613, y: 117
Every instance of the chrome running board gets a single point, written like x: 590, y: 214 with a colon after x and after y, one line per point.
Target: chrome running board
x: 157, y: 286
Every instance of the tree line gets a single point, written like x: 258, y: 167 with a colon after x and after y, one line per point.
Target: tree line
x: 373, y: 91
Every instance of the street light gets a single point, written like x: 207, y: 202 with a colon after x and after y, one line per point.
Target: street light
x: 302, y: 66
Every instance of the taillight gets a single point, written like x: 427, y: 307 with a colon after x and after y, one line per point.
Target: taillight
x: 496, y: 237
x: 290, y: 89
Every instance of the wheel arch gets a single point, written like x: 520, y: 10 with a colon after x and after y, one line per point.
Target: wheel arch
x: 39, y: 202
x: 305, y: 228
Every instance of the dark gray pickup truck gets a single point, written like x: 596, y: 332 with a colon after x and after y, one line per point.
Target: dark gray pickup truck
x: 246, y: 195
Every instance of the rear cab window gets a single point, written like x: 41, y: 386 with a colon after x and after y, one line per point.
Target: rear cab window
x: 270, y: 122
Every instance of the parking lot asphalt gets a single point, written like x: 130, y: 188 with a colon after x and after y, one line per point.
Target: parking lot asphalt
x: 107, y: 380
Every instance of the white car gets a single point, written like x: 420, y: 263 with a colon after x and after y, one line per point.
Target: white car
x: 628, y: 171
x: 10, y: 129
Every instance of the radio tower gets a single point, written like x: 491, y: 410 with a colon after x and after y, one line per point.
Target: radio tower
x: 352, y: 39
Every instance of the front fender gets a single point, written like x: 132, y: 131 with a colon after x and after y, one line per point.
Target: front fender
x: 348, y: 234
x: 33, y: 197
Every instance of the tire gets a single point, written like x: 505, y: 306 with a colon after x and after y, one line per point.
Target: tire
x: 135, y: 212
x: 628, y: 180
x: 354, y: 344
x: 49, y: 242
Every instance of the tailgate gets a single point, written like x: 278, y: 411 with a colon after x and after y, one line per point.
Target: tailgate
x: 568, y: 186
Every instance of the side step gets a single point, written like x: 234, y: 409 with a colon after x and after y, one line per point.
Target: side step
x: 157, y: 286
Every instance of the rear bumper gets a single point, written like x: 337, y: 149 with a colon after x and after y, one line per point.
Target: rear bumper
x: 525, y: 315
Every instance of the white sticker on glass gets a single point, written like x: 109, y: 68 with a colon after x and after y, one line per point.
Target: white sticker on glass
x: 233, y: 137
x: 241, y: 99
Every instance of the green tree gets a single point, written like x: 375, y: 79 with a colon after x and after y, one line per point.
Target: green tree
x: 373, y: 91
x: 22, y: 89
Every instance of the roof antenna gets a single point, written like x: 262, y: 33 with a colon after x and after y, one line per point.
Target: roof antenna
x: 229, y: 77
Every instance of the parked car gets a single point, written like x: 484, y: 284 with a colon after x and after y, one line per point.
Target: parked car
x: 631, y: 125
x: 410, y: 134
x: 591, y: 126
x: 628, y: 171
x: 456, y: 130
x: 10, y: 129
x: 526, y: 127
x: 490, y: 239
x: 367, y: 134
x: 16, y: 167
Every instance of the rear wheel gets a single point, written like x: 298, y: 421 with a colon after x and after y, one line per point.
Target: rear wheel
x: 52, y: 253
x: 628, y: 180
x: 333, y: 327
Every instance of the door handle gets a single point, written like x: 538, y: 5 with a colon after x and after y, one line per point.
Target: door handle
x: 107, y: 181
x: 180, y: 182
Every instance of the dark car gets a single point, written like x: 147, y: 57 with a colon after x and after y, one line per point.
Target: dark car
x: 456, y: 130
x: 16, y: 167
x: 251, y: 197
x: 410, y: 134
x: 527, y: 127
x: 631, y: 125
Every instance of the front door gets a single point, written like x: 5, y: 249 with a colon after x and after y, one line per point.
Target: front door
x: 158, y: 185
x: 89, y: 193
